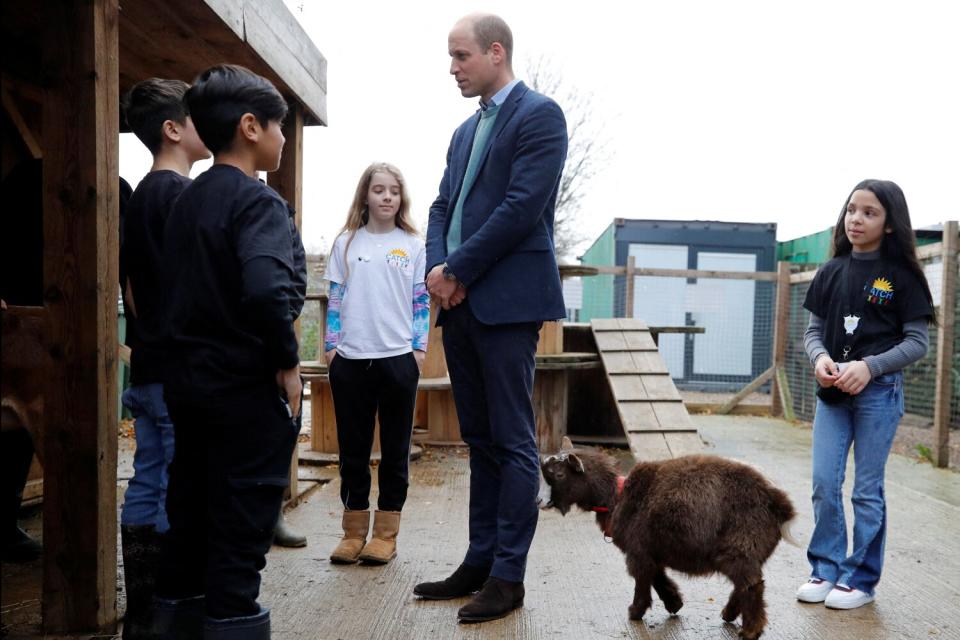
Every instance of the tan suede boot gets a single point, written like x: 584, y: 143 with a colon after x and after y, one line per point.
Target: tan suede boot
x: 355, y: 527
x: 382, y: 547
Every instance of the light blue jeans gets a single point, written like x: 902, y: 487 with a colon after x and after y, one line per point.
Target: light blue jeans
x: 868, y: 421
x: 145, y: 500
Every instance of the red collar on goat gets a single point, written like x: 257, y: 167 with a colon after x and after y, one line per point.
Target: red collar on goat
x: 607, y: 521
x: 620, y: 481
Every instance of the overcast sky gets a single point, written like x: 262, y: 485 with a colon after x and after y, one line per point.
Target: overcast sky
x: 737, y: 111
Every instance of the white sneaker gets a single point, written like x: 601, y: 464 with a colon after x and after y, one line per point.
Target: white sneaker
x: 844, y: 597
x: 814, y: 591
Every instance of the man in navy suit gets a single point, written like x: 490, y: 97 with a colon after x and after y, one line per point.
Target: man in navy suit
x: 491, y: 265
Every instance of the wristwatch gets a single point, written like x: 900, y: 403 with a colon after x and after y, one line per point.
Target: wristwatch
x: 447, y: 274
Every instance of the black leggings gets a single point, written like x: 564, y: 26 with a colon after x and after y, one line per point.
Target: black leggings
x: 362, y: 389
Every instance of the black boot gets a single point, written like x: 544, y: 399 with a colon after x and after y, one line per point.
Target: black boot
x: 255, y: 627
x: 465, y: 580
x: 178, y: 619
x: 19, y: 547
x: 496, y: 599
x: 141, y: 556
x: 17, y: 447
x: 284, y: 536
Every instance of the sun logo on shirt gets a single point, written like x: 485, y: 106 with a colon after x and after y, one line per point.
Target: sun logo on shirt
x: 398, y: 258
x: 881, y: 292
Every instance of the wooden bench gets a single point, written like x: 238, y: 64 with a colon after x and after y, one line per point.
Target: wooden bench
x: 551, y: 394
x: 434, y: 403
x: 436, y: 413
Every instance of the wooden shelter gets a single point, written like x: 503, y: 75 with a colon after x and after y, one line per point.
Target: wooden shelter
x: 65, y: 65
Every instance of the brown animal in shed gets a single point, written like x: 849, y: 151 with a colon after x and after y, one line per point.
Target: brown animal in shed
x: 25, y: 364
x: 695, y: 514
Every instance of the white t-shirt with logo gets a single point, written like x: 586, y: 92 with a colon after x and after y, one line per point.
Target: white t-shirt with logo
x: 376, y: 314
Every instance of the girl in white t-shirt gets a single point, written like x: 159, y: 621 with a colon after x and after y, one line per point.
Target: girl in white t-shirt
x: 375, y: 343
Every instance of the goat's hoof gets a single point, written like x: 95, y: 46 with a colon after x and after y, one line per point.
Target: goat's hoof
x: 750, y: 635
x: 636, y: 611
x: 673, y: 605
x: 729, y: 614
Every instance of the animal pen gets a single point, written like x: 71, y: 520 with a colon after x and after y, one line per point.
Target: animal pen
x: 65, y: 66
x: 622, y: 381
x: 783, y: 384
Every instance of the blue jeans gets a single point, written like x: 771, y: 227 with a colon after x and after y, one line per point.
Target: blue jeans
x: 146, y: 497
x: 868, y: 421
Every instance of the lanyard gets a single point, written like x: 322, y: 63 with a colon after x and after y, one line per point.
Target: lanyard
x: 852, y: 308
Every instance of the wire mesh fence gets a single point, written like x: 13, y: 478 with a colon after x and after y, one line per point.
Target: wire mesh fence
x: 312, y: 318
x: 920, y: 378
x: 737, y: 314
x: 803, y: 386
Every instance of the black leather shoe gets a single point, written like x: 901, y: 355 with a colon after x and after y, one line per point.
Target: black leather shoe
x: 465, y: 580
x: 496, y: 599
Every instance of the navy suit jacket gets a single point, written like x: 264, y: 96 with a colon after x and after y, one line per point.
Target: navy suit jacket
x: 506, y: 259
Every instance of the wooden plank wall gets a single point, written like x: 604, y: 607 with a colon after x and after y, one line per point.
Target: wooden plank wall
x: 650, y: 408
x: 81, y: 236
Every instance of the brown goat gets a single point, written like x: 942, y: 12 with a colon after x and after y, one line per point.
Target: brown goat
x: 696, y: 514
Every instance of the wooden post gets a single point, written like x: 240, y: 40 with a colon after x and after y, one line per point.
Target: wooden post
x: 780, y: 332
x: 441, y: 413
x: 628, y: 298
x: 288, y: 179
x: 435, y: 364
x: 81, y: 237
x: 288, y: 182
x: 551, y: 406
x: 947, y: 331
x: 758, y: 382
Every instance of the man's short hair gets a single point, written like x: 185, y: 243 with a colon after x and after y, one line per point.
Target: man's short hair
x: 490, y: 28
x: 152, y: 102
x: 222, y: 94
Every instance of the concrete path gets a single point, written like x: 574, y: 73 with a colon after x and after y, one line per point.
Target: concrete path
x: 577, y: 586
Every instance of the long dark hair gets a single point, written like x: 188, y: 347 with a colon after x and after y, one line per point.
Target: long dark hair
x: 900, y: 244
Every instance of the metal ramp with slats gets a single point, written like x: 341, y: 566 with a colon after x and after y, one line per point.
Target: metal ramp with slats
x: 651, y: 410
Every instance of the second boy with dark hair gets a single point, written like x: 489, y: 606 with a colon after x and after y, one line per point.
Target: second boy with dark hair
x: 155, y: 111
x: 234, y: 288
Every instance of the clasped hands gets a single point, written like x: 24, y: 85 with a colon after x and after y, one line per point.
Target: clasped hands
x: 449, y: 293
x: 854, y: 378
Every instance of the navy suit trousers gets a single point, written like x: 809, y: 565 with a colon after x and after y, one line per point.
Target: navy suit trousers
x: 491, y: 371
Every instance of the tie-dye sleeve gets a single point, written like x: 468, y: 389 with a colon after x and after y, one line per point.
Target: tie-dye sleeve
x: 421, y: 316
x: 331, y: 337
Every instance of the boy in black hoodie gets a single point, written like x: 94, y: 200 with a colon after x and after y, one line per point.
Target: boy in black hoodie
x: 235, y: 286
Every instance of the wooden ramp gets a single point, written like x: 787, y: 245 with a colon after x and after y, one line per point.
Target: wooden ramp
x: 651, y: 410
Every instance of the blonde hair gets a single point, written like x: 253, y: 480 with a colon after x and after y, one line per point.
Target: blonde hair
x: 357, y: 215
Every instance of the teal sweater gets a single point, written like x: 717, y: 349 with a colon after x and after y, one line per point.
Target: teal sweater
x: 480, y: 138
